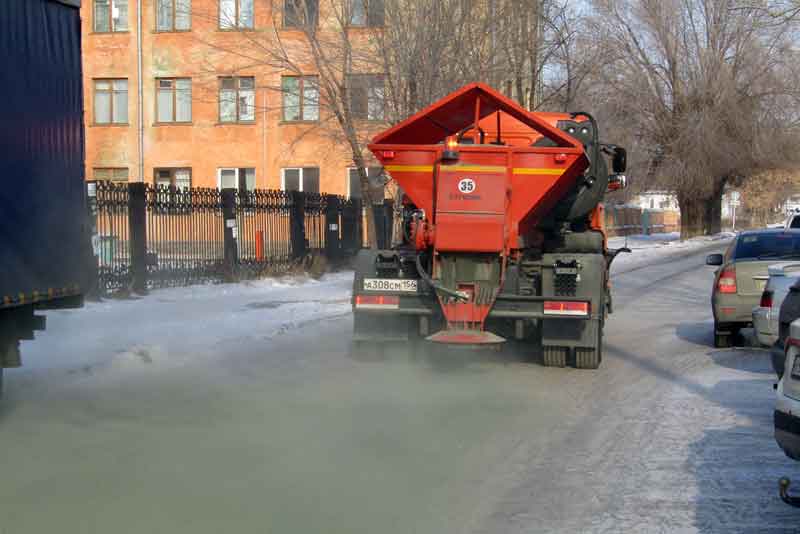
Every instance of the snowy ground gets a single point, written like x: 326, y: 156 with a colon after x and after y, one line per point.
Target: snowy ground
x: 237, y: 408
x: 646, y: 249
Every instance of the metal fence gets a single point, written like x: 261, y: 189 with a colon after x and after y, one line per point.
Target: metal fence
x: 149, y: 236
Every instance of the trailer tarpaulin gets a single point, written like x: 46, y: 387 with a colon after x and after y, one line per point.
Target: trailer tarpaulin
x: 43, y: 222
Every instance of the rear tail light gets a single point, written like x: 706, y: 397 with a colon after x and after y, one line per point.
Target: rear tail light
x: 766, y: 299
x: 559, y: 307
x: 377, y: 302
x: 727, y: 280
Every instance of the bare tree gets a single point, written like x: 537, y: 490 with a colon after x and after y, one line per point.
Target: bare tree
x: 699, y: 82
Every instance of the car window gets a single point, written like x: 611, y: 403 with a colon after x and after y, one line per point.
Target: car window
x: 765, y: 246
x: 795, y: 223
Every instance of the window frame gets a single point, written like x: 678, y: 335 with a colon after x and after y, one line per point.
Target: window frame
x: 302, y: 177
x: 299, y: 25
x: 301, y: 104
x: 238, y: 11
x: 110, y: 92
x: 110, y: 28
x: 174, y: 90
x: 111, y: 171
x: 349, y: 178
x: 367, y: 18
x: 369, y: 77
x: 172, y: 171
x: 173, y: 29
x: 238, y: 177
x: 238, y: 89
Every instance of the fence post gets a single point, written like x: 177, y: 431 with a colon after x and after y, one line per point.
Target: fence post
x: 231, y: 251
x: 333, y: 243
x: 297, y: 225
x: 137, y: 227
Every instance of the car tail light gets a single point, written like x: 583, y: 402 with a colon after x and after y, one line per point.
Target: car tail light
x: 559, y: 307
x: 766, y: 299
x: 377, y: 302
x: 727, y: 280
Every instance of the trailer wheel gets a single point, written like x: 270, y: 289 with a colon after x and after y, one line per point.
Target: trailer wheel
x: 554, y: 356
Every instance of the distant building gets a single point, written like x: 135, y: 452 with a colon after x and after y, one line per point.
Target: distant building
x: 210, y: 118
x: 656, y: 200
x: 792, y: 204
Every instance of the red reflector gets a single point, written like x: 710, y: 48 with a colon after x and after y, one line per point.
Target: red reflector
x: 727, y: 280
x: 558, y: 307
x: 377, y: 301
x: 388, y: 154
x: 766, y: 299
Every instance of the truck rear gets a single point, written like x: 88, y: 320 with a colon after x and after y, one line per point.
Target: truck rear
x: 500, y: 235
x: 44, y: 238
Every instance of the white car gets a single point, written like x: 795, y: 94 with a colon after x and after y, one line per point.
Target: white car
x: 765, y: 317
x: 792, y: 221
x: 787, y: 404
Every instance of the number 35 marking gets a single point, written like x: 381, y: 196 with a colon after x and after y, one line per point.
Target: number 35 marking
x: 466, y: 185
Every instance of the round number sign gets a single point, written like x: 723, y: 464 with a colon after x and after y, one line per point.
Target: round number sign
x: 466, y: 185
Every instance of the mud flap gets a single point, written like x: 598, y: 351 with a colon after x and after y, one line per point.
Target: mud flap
x: 382, y: 327
x: 570, y: 332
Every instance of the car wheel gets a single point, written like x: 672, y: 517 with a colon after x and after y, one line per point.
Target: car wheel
x: 722, y: 339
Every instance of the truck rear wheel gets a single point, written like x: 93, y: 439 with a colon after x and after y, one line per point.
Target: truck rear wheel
x: 554, y: 356
x: 587, y: 358
x: 590, y: 357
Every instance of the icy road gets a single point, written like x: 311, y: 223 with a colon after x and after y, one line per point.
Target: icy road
x: 237, y: 409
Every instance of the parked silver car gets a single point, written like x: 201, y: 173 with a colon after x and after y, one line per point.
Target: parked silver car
x: 765, y: 316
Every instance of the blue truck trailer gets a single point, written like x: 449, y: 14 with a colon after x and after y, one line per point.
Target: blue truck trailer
x: 45, y: 246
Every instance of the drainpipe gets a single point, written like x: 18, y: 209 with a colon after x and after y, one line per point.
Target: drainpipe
x: 140, y: 86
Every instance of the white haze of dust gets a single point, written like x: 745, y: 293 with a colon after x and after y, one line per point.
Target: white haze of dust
x: 171, y: 327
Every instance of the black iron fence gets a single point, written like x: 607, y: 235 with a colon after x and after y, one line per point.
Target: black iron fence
x: 149, y: 236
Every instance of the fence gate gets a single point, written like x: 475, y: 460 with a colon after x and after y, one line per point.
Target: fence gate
x: 149, y: 236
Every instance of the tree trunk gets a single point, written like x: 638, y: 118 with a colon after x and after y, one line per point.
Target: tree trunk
x: 366, y: 199
x: 692, y: 216
x: 713, y: 211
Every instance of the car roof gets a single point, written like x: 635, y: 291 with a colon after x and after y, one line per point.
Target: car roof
x: 763, y: 231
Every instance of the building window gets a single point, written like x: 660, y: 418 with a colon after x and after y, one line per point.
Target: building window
x: 173, y: 15
x: 368, y: 13
x: 236, y: 14
x: 376, y: 183
x: 179, y: 178
x: 299, y: 13
x: 114, y: 174
x: 174, y: 100
x: 111, y: 101
x: 243, y: 179
x: 110, y: 16
x: 237, y: 99
x: 304, y: 179
x: 300, y: 98
x: 366, y: 96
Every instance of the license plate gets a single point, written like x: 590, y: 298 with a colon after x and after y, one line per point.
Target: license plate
x: 390, y: 284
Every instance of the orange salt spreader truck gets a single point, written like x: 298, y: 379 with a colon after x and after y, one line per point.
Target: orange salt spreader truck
x: 501, y: 234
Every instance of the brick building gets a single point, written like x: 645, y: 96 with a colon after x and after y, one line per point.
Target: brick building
x: 210, y: 116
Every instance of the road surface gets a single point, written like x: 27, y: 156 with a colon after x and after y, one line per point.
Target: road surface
x: 285, y: 433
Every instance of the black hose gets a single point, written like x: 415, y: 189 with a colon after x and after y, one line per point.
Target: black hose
x: 436, y: 285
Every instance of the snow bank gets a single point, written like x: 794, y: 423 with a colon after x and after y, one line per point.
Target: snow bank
x: 172, y: 327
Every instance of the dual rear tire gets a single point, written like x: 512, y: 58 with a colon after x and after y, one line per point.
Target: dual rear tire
x: 584, y: 357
